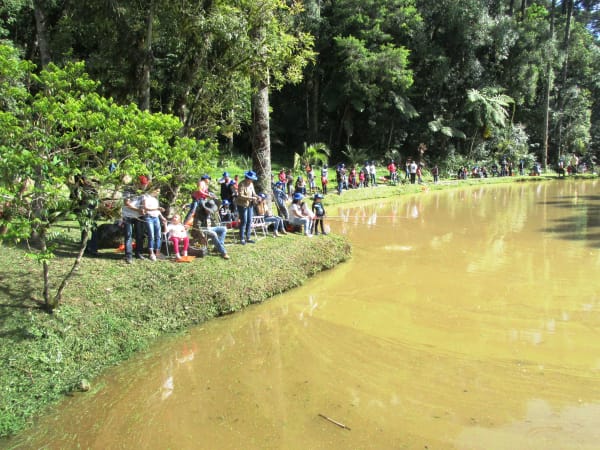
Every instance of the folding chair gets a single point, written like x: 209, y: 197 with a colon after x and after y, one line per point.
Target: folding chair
x: 258, y: 222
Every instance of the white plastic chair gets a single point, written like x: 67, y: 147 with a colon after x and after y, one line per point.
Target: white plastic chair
x: 258, y: 222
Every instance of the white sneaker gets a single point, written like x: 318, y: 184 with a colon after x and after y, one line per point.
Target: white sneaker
x: 152, y: 257
x: 184, y: 253
x: 177, y: 256
x: 309, y: 235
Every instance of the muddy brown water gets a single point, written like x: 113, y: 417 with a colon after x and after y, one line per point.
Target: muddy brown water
x: 465, y: 320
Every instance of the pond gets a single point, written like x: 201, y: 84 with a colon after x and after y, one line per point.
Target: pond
x: 466, y: 319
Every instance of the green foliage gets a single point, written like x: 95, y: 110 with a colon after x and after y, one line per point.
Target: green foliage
x: 575, y: 121
x: 9, y: 11
x: 511, y: 143
x: 385, y: 74
x: 489, y: 107
x: 440, y: 126
x: 59, y: 128
x: 355, y: 156
x: 314, y: 154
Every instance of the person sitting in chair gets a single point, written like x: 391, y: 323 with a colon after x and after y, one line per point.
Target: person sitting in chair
x: 262, y: 209
x: 177, y: 232
x: 298, y: 216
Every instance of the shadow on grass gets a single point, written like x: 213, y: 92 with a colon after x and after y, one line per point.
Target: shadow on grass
x: 18, y: 290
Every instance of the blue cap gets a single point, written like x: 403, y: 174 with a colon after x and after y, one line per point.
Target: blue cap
x: 225, y: 202
x: 251, y: 175
x: 318, y: 196
x: 298, y: 196
x: 262, y: 195
x: 225, y: 174
x: 205, y: 177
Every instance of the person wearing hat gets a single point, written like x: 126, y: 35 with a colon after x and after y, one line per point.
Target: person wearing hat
x: 245, y: 205
x: 225, y: 212
x: 280, y: 197
x: 227, y: 188
x: 298, y: 216
x: 206, y: 213
x: 319, y: 211
x: 262, y: 209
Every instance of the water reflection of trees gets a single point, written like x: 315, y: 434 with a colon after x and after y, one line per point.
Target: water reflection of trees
x: 582, y: 206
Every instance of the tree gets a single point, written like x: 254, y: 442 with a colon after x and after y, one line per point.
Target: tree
x: 277, y: 57
x: 313, y: 154
x: 366, y: 74
x: 489, y: 108
x: 61, y: 129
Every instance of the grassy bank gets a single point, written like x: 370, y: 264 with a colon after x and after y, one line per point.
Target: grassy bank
x: 112, y: 310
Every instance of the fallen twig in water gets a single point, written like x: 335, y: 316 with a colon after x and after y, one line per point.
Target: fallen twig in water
x: 339, y: 424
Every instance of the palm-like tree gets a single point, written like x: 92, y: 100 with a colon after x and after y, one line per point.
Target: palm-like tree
x: 313, y: 154
x: 490, y: 109
x: 355, y: 155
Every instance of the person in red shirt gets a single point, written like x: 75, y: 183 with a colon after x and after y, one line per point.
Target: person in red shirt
x: 393, y: 171
x: 199, y: 198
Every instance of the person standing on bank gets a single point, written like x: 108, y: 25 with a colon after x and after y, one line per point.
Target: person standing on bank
x: 132, y: 220
x: 413, y: 172
x: 245, y: 205
x: 319, y: 211
x: 152, y: 216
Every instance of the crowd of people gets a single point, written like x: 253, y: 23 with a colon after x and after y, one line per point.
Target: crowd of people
x: 209, y: 216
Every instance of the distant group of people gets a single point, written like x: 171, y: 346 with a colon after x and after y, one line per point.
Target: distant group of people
x: 413, y: 172
x: 504, y: 168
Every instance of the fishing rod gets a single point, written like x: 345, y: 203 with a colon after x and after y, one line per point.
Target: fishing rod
x: 377, y: 217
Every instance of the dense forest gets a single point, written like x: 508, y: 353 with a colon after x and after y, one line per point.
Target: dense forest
x: 472, y: 80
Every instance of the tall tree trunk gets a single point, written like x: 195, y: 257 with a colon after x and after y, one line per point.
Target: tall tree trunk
x: 41, y: 28
x: 523, y: 8
x: 261, y: 140
x: 388, y: 144
x: 567, y: 38
x: 147, y: 62
x: 511, y: 8
x: 568, y: 10
x: 549, y: 83
x: 314, y: 105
